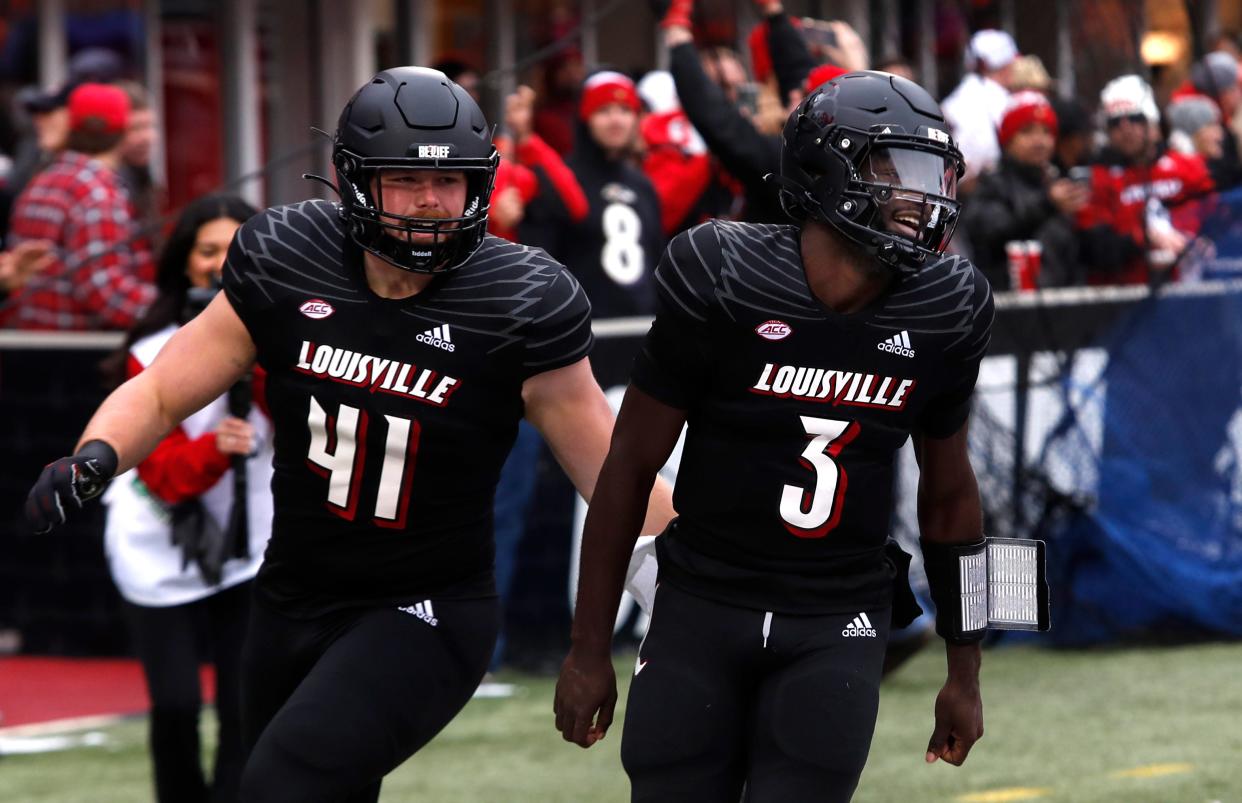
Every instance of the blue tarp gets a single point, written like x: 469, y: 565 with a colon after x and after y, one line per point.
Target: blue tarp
x: 1161, y: 551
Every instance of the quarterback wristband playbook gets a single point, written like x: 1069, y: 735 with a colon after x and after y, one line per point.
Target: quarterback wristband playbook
x: 997, y: 583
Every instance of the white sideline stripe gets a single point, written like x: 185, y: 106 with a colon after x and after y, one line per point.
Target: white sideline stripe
x: 70, y: 341
x: 67, y: 725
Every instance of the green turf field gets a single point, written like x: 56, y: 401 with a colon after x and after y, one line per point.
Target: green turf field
x: 1152, y: 725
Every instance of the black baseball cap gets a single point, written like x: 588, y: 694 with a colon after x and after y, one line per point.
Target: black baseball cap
x: 94, y: 65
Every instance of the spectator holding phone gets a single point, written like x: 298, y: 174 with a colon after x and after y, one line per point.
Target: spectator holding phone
x: 742, y: 150
x: 1022, y: 200
x: 1144, y: 199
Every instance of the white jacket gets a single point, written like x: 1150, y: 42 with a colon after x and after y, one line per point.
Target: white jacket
x: 137, y: 538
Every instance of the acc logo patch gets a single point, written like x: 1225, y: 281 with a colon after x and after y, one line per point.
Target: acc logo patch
x: 316, y: 308
x: 773, y: 330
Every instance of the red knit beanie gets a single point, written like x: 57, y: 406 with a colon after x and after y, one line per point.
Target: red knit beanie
x: 1023, y: 109
x: 604, y: 88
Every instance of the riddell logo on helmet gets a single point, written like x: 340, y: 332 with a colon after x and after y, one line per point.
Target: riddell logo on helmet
x: 316, y: 308
x: 773, y: 330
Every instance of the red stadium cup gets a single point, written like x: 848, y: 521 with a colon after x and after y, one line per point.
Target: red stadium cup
x: 1025, y: 259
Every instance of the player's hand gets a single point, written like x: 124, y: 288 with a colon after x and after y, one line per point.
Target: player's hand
x: 959, y: 721
x: 235, y: 436
x: 66, y: 485
x: 586, y: 696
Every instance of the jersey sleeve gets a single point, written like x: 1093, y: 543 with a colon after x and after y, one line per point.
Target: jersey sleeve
x: 559, y: 332
x: 241, y: 281
x: 948, y: 410
x: 675, y: 358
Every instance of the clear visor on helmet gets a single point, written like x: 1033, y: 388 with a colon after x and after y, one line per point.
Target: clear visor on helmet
x: 915, y: 193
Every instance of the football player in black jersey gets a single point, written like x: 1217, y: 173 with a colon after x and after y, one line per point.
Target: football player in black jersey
x: 402, y: 345
x: 801, y: 358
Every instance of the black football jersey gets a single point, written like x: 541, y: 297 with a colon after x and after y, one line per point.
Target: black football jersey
x: 392, y: 417
x: 795, y: 413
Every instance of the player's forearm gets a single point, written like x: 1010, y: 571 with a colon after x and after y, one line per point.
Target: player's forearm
x: 132, y: 420
x: 949, y: 509
x: 953, y: 517
x: 612, y: 526
x: 963, y: 661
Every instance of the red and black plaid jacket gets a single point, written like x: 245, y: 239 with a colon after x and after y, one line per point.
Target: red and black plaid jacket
x: 103, y: 274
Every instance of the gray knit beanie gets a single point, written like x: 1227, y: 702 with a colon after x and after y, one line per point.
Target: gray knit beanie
x: 1190, y: 114
x: 1214, y: 73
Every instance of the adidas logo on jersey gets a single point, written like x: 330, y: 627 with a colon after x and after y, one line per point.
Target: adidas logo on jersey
x: 861, y: 626
x: 438, y: 337
x: 423, y: 611
x: 897, y: 344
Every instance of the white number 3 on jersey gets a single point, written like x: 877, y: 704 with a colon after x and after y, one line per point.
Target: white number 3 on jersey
x: 813, y: 513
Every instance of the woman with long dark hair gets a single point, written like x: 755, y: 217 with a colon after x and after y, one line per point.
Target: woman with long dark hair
x: 183, y: 538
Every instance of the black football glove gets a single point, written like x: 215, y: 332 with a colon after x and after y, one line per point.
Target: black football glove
x: 68, y: 484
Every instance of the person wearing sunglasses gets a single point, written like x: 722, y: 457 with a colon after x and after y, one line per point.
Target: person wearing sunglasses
x: 1143, y: 209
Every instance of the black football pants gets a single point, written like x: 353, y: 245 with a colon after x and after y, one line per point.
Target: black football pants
x: 333, y: 704
x: 732, y: 704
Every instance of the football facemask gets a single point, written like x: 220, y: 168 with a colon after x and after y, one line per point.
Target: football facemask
x: 914, y: 193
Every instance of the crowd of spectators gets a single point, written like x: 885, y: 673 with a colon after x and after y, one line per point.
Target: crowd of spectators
x: 605, y: 166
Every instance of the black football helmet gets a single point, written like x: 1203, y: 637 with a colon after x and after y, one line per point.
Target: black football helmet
x: 871, y: 155
x: 413, y: 118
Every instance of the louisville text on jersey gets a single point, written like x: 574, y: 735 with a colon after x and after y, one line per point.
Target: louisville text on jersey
x: 838, y: 387
x: 377, y: 373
